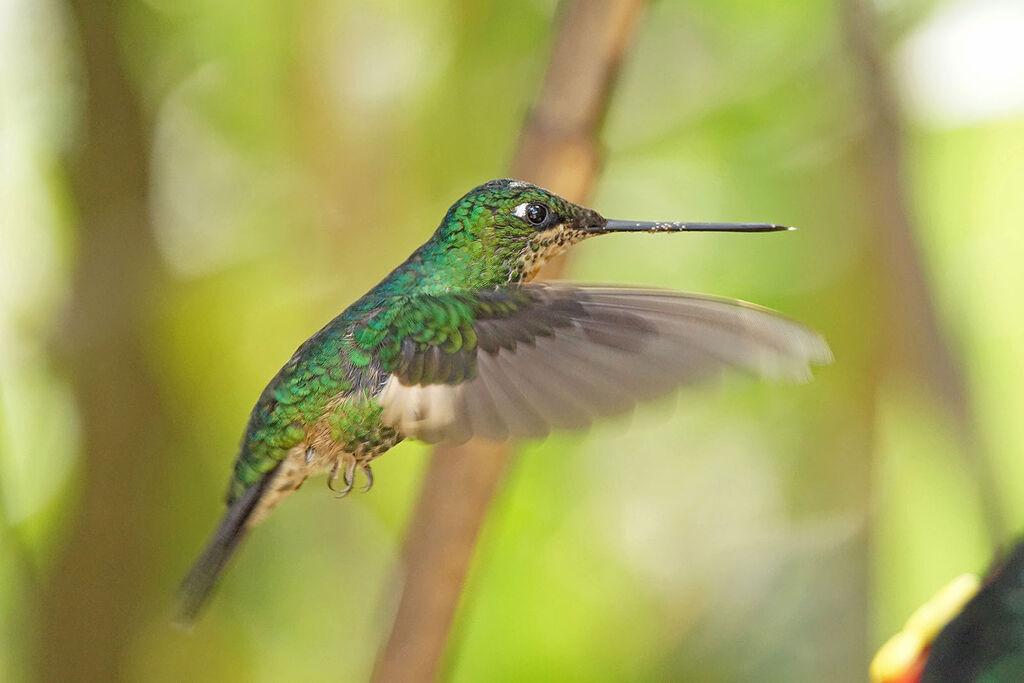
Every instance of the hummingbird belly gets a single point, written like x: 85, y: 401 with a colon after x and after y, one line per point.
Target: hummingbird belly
x: 349, y: 436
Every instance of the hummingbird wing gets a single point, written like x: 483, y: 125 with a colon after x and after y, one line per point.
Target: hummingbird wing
x: 516, y: 362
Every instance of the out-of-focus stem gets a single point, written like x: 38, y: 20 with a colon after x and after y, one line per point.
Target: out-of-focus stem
x: 914, y: 341
x: 558, y: 149
x: 92, y: 604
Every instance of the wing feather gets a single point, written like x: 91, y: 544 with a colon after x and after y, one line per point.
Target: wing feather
x: 564, y: 355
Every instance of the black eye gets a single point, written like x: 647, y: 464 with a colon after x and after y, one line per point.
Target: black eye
x: 536, y: 213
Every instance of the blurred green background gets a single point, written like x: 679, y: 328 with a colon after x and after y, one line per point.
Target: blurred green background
x: 238, y: 172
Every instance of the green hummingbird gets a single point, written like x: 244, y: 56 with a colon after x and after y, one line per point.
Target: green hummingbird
x: 454, y: 343
x: 971, y: 631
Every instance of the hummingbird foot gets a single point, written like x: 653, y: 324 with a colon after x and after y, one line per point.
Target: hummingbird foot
x: 369, y: 477
x: 349, y: 477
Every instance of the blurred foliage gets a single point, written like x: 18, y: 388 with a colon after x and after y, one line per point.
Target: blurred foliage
x: 298, y: 151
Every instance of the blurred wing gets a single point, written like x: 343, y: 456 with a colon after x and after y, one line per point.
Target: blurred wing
x: 558, y: 356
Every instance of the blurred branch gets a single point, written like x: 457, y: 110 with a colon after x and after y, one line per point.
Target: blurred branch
x: 558, y: 149
x: 914, y: 339
x: 93, y: 605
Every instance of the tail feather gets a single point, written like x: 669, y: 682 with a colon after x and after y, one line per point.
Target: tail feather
x: 197, y: 586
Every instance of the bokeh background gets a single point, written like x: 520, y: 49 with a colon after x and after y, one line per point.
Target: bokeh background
x: 235, y: 173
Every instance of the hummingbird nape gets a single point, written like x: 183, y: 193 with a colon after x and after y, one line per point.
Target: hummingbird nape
x: 455, y: 343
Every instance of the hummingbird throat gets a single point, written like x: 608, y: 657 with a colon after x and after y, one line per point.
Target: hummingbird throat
x: 546, y: 245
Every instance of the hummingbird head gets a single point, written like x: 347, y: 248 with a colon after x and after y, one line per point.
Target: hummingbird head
x: 514, y: 227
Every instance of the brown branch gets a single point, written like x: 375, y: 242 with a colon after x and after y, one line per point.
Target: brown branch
x: 558, y: 149
x: 100, y: 578
x: 915, y: 341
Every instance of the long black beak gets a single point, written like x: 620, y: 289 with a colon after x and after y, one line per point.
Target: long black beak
x: 658, y: 226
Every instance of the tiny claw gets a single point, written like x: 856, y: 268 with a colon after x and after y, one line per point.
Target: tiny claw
x: 369, y: 477
x: 332, y: 476
x: 349, y: 476
x: 310, y: 454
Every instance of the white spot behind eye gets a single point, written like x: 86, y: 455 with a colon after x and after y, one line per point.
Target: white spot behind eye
x: 520, y: 210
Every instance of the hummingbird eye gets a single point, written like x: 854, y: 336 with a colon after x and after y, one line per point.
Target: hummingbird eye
x: 536, y: 213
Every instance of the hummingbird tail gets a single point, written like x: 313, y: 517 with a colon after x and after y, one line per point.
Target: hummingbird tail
x: 198, y: 584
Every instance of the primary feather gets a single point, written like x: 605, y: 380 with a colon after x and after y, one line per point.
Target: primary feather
x: 558, y: 356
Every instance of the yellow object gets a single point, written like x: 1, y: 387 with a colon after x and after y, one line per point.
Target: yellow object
x: 901, y: 651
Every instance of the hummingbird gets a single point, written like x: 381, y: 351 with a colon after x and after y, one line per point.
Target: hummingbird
x: 972, y: 630
x: 457, y: 343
